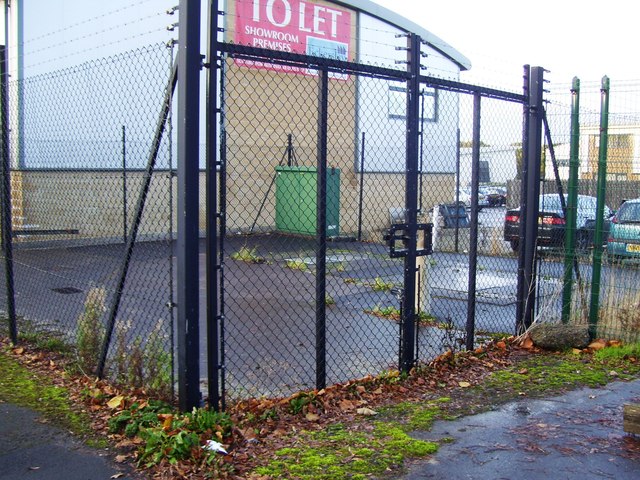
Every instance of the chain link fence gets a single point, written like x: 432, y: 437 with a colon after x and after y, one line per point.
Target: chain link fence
x: 79, y: 195
x: 81, y: 143
x: 617, y: 294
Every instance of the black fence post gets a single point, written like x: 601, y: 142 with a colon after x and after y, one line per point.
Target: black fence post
x: 214, y: 267
x: 321, y: 233
x: 361, y: 198
x: 473, y: 230
x: 7, y: 227
x: 189, y: 62
x: 124, y: 184
x: 529, y: 202
x: 408, y: 328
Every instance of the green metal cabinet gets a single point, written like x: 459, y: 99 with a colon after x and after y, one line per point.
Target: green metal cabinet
x: 296, y: 200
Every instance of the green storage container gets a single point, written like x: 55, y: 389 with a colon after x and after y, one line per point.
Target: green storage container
x: 296, y: 200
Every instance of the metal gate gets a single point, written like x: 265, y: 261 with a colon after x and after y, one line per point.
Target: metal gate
x: 319, y: 218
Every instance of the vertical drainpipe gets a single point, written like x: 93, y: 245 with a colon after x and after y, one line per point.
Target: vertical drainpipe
x: 602, y: 187
x: 572, y: 201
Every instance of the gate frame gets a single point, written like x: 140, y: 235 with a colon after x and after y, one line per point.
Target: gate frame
x: 215, y: 186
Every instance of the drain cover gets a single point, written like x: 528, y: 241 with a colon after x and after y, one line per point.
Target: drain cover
x: 67, y: 290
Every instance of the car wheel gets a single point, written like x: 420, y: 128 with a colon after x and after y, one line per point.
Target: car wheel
x: 514, y: 245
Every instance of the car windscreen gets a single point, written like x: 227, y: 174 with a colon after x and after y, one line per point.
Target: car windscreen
x: 629, y: 213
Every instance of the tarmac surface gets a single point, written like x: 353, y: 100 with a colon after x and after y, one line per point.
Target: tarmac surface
x: 33, y: 449
x: 576, y: 436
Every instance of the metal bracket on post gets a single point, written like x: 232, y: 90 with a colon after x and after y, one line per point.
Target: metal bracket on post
x: 398, y: 233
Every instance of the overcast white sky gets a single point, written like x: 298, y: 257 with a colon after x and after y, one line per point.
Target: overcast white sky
x: 570, y: 38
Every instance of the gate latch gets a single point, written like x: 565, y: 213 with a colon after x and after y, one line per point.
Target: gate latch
x: 397, y: 239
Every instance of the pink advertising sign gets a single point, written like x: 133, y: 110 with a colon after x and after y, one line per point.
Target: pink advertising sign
x: 295, y: 26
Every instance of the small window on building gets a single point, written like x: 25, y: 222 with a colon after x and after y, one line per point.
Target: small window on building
x: 428, y: 103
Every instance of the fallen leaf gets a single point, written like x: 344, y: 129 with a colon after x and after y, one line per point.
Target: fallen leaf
x: 524, y: 371
x: 527, y: 343
x: 597, y: 345
x: 19, y: 351
x: 117, y: 475
x: 346, y: 405
x: 366, y: 412
x: 120, y: 458
x: 116, y: 402
x: 613, y: 373
x: 312, y: 417
x: 576, y: 351
x: 464, y: 384
x: 166, y: 419
x: 501, y: 345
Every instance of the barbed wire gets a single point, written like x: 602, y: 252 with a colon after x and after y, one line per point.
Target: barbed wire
x: 86, y: 21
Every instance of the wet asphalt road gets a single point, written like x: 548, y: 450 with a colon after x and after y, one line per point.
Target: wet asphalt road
x: 31, y: 448
x: 576, y: 436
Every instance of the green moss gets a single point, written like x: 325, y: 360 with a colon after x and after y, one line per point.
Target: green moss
x: 416, y: 416
x: 624, y: 352
x: 336, y: 453
x: 24, y: 388
x: 543, y: 374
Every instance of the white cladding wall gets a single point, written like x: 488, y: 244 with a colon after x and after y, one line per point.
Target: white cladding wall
x: 378, y: 117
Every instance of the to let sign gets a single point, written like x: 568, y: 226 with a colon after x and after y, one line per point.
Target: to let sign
x: 295, y: 26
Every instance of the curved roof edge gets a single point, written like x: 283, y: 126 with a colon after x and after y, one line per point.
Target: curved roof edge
x: 403, y: 23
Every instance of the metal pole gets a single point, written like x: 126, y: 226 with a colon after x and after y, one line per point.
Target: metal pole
x: 213, y: 268
x: 533, y: 159
x: 7, y: 226
x: 473, y: 231
x: 321, y: 233
x: 124, y: 184
x: 131, y: 239
x: 520, y: 288
x: 602, y: 187
x: 408, y: 326
x: 189, y: 63
x: 361, y: 201
x: 570, y: 260
x: 457, y: 238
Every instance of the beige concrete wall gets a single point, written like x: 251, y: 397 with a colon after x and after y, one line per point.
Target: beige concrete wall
x: 92, y: 203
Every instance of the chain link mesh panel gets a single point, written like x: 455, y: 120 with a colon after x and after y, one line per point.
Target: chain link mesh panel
x: 81, y: 140
x: 617, y: 295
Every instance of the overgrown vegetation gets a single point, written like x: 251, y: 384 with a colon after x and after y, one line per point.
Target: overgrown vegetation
x: 248, y: 255
x: 91, y: 330
x: 393, y: 313
x: 296, y: 265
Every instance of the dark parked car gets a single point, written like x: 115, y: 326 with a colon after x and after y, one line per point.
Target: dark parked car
x: 496, y: 196
x: 551, y: 222
x: 624, y: 235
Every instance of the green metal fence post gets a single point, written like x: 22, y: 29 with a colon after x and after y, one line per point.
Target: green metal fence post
x: 602, y: 186
x: 572, y: 201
